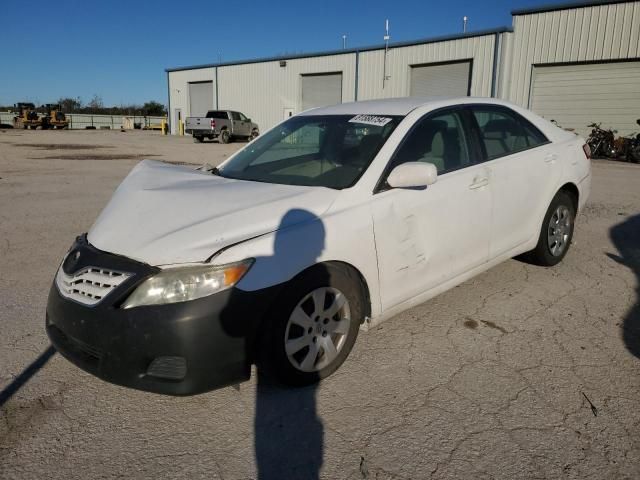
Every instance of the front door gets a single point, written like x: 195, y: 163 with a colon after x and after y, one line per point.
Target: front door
x: 241, y: 126
x: 425, y: 237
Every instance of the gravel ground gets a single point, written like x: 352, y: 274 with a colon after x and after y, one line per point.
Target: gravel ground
x: 522, y: 372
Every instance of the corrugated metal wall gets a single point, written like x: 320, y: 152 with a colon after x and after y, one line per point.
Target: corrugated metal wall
x: 582, y: 34
x: 399, y: 61
x: 262, y: 91
x: 179, y: 90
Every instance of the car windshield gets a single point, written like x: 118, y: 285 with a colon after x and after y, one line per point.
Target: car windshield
x: 323, y: 150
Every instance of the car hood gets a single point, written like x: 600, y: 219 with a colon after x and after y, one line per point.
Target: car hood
x: 165, y: 214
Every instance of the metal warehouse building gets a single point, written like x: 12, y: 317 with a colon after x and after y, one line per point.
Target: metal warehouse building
x: 575, y: 63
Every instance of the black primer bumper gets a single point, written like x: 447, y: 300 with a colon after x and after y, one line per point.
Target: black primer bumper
x: 176, y: 349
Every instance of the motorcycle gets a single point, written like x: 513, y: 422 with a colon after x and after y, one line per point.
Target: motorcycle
x: 633, y: 148
x: 602, y: 142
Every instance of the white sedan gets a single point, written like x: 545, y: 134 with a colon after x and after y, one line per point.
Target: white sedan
x: 336, y: 219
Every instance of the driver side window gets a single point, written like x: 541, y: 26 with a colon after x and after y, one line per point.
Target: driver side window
x: 437, y: 138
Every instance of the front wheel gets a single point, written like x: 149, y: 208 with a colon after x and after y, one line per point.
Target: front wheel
x: 556, y: 232
x: 314, y: 326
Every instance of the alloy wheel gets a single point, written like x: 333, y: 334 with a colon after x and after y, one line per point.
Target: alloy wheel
x: 317, y: 329
x: 559, y: 230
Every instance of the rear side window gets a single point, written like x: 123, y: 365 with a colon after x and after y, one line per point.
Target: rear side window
x: 217, y: 114
x: 235, y: 115
x: 503, y: 131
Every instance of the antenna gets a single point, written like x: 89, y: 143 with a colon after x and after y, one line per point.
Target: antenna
x: 386, y: 38
x: 464, y: 24
x: 344, y: 42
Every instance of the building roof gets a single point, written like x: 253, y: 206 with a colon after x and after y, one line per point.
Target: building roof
x: 566, y: 6
x: 422, y: 41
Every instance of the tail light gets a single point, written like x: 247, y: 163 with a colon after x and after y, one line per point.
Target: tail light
x: 587, y: 150
x: 213, y: 124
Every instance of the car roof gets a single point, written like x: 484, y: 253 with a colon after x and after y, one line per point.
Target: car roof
x: 397, y: 106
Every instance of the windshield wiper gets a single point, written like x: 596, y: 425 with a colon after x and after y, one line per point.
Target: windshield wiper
x: 209, y: 168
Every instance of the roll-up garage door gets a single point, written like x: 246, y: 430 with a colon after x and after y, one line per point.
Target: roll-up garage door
x: 577, y: 95
x: 442, y: 80
x: 321, y: 90
x: 200, y: 98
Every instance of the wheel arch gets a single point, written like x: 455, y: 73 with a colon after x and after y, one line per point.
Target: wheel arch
x: 352, y: 271
x: 255, y: 353
x: 572, y: 189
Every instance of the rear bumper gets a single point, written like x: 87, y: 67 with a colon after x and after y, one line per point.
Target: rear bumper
x: 176, y: 349
x: 202, y: 133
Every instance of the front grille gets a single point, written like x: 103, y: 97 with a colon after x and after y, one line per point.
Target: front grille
x: 90, y: 285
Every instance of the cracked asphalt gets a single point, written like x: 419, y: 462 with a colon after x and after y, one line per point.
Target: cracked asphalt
x: 521, y: 372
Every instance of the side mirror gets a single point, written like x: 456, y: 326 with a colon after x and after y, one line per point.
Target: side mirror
x: 413, y: 175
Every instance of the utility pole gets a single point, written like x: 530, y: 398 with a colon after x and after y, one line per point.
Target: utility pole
x: 386, y: 50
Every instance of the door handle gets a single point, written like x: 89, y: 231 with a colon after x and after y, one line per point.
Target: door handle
x: 551, y: 158
x: 479, y: 182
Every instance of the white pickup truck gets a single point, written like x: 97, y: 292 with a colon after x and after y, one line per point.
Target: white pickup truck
x: 222, y: 124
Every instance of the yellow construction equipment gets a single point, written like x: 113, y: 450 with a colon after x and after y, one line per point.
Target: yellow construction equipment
x: 27, y: 116
x: 54, y: 117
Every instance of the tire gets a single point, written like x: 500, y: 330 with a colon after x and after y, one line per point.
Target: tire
x: 197, y: 139
x: 295, y: 322
x: 556, y: 231
x: 225, y: 136
x: 254, y: 134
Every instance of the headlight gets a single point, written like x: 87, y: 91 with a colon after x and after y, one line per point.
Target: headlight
x: 187, y: 283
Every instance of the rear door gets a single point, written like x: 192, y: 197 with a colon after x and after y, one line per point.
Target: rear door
x: 426, y: 237
x: 524, y: 170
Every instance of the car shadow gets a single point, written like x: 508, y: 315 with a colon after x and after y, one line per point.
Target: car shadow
x: 10, y: 390
x: 288, y: 433
x: 626, y: 238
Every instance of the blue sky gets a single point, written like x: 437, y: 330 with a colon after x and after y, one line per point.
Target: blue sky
x: 119, y: 50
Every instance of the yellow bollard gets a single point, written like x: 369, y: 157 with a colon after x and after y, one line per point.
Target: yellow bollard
x: 163, y: 126
x: 181, y: 128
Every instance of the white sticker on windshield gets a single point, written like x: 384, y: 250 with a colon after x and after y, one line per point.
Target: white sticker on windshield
x: 371, y: 120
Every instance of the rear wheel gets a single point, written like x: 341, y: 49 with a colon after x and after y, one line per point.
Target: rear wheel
x: 197, y: 139
x: 556, y: 232
x: 225, y: 136
x: 314, y: 327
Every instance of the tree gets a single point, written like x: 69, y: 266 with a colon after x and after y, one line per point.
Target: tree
x: 95, y: 104
x: 154, y: 108
x: 70, y: 105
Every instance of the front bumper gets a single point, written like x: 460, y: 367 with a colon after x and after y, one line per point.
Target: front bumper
x: 177, y: 349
